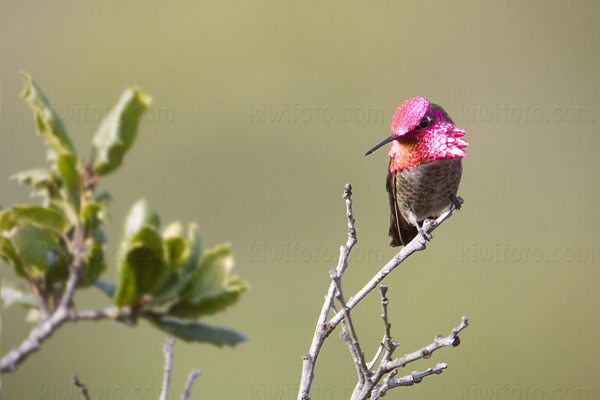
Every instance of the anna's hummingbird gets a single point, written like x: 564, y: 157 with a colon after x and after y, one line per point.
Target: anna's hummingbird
x: 425, y: 167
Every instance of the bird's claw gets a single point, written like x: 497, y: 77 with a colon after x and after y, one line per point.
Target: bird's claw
x: 424, y: 228
x: 456, y: 202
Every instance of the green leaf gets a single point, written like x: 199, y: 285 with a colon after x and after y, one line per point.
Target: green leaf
x: 43, y: 182
x: 103, y: 199
x: 12, y: 294
x: 143, y: 267
x: 9, y: 254
x: 49, y: 124
x: 72, y: 186
x: 116, y: 135
x: 199, y: 332
x: 139, y: 215
x: 42, y: 217
x: 211, y: 288
x: 176, y: 279
x: 92, y: 215
x: 93, y: 263
x: 175, y: 245
x: 42, y: 248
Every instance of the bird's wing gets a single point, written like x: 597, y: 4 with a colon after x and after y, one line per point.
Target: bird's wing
x: 401, y: 231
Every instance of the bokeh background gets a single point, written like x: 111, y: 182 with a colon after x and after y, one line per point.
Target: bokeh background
x: 262, y: 112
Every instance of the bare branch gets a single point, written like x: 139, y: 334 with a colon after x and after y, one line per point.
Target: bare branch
x: 408, y: 380
x: 440, y: 341
x: 46, y: 328
x: 188, y: 386
x: 388, y: 344
x: 168, y: 349
x: 63, y: 313
x: 368, y: 382
x: 82, y: 388
x: 349, y: 336
x: 322, y: 330
x: 417, y: 244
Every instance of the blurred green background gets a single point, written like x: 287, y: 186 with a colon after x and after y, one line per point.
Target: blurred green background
x: 262, y: 112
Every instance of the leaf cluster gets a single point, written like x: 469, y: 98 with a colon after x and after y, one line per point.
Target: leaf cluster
x: 163, y: 275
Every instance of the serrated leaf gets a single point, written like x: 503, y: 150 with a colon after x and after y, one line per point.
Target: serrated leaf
x: 199, y: 332
x: 72, y: 186
x: 143, y: 267
x: 42, y: 217
x: 117, y: 133
x: 211, y: 288
x: 42, y: 181
x: 139, y: 215
x: 49, y: 124
x: 12, y: 294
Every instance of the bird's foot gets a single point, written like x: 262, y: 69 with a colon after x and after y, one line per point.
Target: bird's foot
x: 456, y: 202
x: 424, y: 229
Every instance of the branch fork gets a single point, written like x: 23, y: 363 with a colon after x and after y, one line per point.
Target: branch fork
x: 373, y: 382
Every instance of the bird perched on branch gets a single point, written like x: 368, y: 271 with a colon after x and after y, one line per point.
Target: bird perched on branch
x: 425, y: 167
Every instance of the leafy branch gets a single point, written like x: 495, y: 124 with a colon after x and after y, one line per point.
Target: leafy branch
x: 58, y: 247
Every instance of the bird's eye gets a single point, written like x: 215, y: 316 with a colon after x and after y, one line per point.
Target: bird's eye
x: 426, y: 122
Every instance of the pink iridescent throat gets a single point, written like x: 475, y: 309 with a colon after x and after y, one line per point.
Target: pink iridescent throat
x: 415, y: 147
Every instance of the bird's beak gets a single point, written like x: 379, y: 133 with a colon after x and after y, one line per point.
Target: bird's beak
x: 382, y: 143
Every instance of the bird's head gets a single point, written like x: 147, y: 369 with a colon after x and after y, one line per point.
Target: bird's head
x: 422, y: 132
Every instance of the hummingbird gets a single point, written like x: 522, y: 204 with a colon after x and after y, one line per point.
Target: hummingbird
x: 424, y: 169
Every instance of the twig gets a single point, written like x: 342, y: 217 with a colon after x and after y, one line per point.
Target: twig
x: 417, y: 244
x: 188, y: 386
x: 45, y: 329
x: 440, y: 341
x: 387, y: 338
x: 407, y: 380
x: 354, y: 348
x: 388, y: 366
x: 168, y: 349
x: 323, y: 329
x: 81, y: 387
x: 74, y: 269
x: 349, y: 334
x: 388, y: 344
